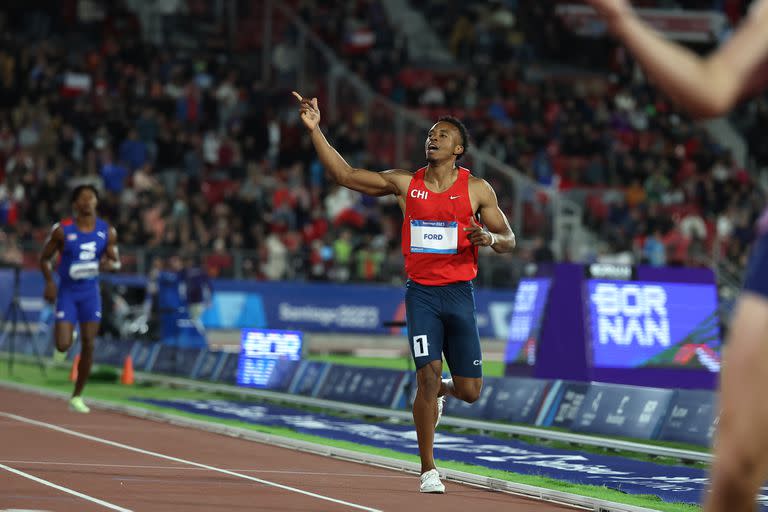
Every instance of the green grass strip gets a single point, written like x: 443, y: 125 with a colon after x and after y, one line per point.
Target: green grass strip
x: 490, y: 368
x: 57, y: 379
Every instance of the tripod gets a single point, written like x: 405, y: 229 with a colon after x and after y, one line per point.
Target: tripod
x: 13, y: 314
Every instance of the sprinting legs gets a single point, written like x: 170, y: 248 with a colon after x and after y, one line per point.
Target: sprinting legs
x: 63, y: 335
x: 430, y: 387
x: 63, y: 338
x: 88, y: 331
x: 425, y: 411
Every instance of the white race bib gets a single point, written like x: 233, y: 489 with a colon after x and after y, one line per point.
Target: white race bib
x: 84, y: 269
x: 434, y: 236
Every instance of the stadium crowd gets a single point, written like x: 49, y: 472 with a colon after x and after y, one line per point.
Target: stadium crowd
x: 656, y: 186
x: 195, y: 155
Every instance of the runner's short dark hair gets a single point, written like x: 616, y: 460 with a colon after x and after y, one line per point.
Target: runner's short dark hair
x: 80, y: 188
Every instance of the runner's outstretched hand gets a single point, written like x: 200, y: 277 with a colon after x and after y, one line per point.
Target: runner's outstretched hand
x: 309, y: 111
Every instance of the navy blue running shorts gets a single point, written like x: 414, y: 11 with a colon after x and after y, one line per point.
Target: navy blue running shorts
x: 443, y: 320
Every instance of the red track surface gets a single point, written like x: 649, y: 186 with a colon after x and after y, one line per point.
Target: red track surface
x: 129, y: 480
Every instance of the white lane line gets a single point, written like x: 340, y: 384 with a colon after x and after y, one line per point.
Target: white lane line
x: 184, y: 468
x: 65, y: 489
x: 183, y: 461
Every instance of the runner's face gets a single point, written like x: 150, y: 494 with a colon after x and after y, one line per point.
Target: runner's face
x: 86, y: 201
x: 443, y: 142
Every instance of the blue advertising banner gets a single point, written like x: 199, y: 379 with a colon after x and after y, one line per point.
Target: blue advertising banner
x: 645, y: 324
x: 629, y: 411
x: 525, y: 322
x: 517, y: 399
x: 353, y: 308
x: 260, y: 349
x: 368, y: 386
x: 562, y: 404
x: 332, y: 307
x: 692, y: 418
x: 673, y: 484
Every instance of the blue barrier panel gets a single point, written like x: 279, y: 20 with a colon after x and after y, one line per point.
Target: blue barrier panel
x: 282, y: 374
x: 112, y: 351
x: 691, y: 419
x: 369, y: 386
x: 456, y: 407
x: 517, y: 399
x: 562, y: 404
x: 405, y: 400
x: 208, y: 365
x: 25, y: 344
x: 612, y: 409
x: 174, y: 360
x: 309, y: 378
x: 142, y: 355
x: 228, y: 373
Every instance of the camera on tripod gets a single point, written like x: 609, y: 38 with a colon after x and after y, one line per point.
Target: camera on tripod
x: 9, y: 327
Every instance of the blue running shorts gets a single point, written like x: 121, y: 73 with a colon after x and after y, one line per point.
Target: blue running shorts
x: 443, y: 320
x: 78, y: 306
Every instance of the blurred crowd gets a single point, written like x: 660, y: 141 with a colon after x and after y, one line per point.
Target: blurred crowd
x: 196, y: 155
x: 576, y: 113
x: 192, y: 155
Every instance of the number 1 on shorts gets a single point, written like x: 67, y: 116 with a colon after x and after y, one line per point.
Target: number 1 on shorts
x: 420, y: 346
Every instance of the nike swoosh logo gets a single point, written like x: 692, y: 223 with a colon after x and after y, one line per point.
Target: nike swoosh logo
x: 455, y: 197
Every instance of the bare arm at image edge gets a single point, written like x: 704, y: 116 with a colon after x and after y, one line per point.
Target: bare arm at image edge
x: 703, y: 86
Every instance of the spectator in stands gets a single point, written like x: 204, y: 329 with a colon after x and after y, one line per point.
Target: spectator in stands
x: 542, y: 253
x: 133, y: 150
x: 10, y: 251
x: 342, y: 256
x: 654, y: 250
x: 195, y: 287
x: 113, y: 174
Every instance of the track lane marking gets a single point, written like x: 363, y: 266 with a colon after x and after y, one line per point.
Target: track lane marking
x: 96, y: 439
x: 65, y: 489
x: 184, y: 468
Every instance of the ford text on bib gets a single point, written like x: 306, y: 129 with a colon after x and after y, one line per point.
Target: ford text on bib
x: 433, y: 236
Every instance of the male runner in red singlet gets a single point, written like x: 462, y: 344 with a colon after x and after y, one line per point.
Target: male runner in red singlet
x: 707, y: 87
x: 441, y: 237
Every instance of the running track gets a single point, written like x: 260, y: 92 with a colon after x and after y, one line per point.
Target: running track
x: 55, y: 460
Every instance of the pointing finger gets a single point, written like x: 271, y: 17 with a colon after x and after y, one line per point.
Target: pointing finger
x: 297, y: 96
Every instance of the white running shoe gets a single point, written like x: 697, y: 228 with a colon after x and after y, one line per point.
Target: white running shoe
x: 430, y: 482
x: 76, y: 404
x: 440, y: 404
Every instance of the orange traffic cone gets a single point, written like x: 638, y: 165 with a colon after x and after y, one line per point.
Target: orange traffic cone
x: 127, y: 377
x: 73, y: 371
